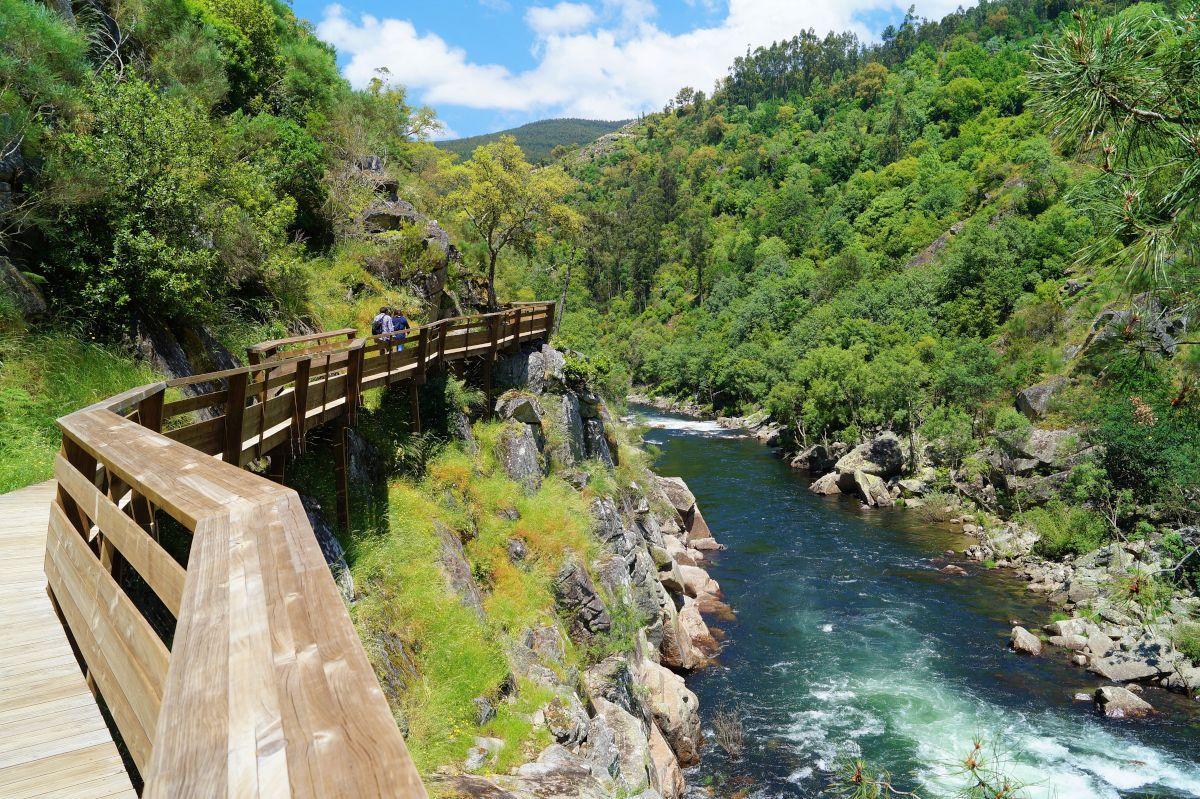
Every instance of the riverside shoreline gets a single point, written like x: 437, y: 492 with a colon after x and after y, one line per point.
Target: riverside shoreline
x: 1093, y: 618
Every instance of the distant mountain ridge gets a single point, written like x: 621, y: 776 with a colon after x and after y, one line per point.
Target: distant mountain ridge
x: 539, y: 138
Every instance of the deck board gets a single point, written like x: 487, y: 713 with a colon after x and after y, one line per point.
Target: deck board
x: 53, y: 740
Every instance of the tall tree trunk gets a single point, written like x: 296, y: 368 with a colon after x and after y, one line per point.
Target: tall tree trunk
x: 492, y: 304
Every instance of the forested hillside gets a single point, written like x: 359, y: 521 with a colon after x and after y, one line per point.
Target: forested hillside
x: 539, y: 139
x: 901, y: 237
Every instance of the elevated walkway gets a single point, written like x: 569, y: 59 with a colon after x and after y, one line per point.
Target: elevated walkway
x: 53, y: 740
x: 232, y: 670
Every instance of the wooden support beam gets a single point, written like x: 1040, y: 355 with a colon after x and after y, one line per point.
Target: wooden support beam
x: 550, y: 310
x: 516, y: 343
x: 414, y: 403
x: 300, y: 406
x: 341, y: 469
x: 442, y: 329
x: 235, y: 409
x: 277, y: 469
x: 489, y: 364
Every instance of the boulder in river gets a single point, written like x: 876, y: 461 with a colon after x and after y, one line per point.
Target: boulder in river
x: 882, y: 457
x: 872, y: 489
x: 826, y: 485
x: 1025, y: 642
x: 1116, y: 702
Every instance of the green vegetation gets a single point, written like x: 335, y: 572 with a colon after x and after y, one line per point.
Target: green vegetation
x: 40, y: 375
x: 892, y: 237
x: 540, y: 141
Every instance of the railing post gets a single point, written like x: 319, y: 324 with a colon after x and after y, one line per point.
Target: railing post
x: 300, y: 403
x: 442, y: 345
x: 354, y: 371
x: 550, y: 311
x: 150, y: 412
x: 422, y: 348
x: 235, y: 409
x: 516, y: 342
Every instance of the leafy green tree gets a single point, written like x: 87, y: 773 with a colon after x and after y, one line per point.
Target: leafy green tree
x: 948, y: 430
x: 508, y: 203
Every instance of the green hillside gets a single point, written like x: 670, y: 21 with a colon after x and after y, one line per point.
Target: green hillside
x: 902, y: 237
x: 538, y: 139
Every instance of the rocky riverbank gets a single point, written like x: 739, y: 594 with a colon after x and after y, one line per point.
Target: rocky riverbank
x: 626, y: 725
x: 1114, y: 614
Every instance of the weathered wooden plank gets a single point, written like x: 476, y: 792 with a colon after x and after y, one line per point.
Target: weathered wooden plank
x: 160, y: 571
x: 134, y: 734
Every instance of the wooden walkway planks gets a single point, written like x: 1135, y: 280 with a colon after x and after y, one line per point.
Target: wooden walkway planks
x: 53, y: 741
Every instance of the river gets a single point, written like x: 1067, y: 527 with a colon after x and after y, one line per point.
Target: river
x: 849, y: 643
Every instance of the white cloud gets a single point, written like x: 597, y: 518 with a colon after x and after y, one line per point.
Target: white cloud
x: 560, y: 19
x: 609, y: 66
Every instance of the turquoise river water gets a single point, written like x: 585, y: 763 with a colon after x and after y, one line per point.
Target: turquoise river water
x: 848, y: 643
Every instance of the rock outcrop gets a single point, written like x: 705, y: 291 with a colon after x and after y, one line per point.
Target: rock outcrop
x: 1120, y: 703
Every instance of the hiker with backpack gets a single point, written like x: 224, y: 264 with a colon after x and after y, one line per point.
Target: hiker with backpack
x: 382, y: 323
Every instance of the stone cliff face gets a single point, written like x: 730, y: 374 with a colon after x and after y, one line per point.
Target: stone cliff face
x: 628, y: 724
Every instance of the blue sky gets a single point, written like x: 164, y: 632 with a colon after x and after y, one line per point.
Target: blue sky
x: 486, y: 65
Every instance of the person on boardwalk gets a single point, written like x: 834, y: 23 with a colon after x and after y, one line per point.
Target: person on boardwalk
x: 400, y: 325
x: 382, y: 323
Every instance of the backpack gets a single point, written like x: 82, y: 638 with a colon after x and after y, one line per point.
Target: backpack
x: 377, y: 325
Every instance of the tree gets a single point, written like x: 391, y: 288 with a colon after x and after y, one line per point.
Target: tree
x: 1126, y: 88
x: 508, y: 202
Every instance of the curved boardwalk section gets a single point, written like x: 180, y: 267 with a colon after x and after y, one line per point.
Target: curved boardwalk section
x: 53, y: 741
x: 232, y: 670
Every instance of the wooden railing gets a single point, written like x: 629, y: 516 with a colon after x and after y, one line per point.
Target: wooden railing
x: 260, y: 687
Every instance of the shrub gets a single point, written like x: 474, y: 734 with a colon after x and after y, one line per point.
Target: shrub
x: 949, y: 432
x: 1064, y: 530
x: 1187, y: 640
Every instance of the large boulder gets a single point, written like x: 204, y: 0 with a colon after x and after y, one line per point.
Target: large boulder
x: 458, y: 569
x: 520, y: 458
x: 675, y: 710
x: 612, y: 681
x: 827, y: 485
x: 572, y: 423
x: 1035, y: 400
x: 535, y: 367
x: 872, y: 489
x: 596, y: 443
x: 678, y: 494
x: 627, y: 738
x: 519, y: 407
x: 24, y: 293
x: 1121, y: 703
x: 883, y: 456
x: 692, y: 624
x: 697, y: 582
x: 1025, y: 642
x: 665, y: 775
x: 580, y: 603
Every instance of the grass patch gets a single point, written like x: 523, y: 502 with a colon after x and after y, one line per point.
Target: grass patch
x: 1064, y: 530
x: 1187, y: 640
x: 44, y: 376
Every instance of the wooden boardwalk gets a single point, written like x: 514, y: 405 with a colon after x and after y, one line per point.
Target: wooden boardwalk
x: 53, y: 741
x: 263, y: 688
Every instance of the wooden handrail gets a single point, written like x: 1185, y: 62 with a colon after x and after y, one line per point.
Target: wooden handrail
x: 262, y: 688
